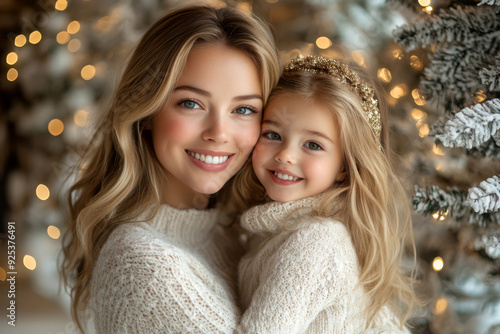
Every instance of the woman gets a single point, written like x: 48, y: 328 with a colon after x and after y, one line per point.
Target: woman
x: 144, y: 252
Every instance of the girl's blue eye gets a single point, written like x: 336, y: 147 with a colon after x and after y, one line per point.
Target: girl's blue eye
x: 272, y: 135
x: 244, y: 111
x: 189, y: 104
x: 313, y: 146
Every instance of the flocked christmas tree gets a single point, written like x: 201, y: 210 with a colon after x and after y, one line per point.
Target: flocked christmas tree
x: 461, y: 85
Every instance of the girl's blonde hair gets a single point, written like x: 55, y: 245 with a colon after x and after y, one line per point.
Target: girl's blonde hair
x: 119, y: 176
x: 369, y: 199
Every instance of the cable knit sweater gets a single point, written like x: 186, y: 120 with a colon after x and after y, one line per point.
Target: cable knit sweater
x: 172, y: 274
x: 300, y: 276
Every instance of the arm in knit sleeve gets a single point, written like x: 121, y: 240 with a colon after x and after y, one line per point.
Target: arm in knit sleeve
x: 313, y: 269
x: 145, y: 285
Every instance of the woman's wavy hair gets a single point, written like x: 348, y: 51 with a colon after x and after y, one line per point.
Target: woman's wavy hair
x: 369, y: 199
x: 119, y: 176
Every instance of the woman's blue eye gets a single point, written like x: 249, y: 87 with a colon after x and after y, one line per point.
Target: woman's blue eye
x: 313, y: 146
x: 244, y: 111
x: 189, y: 104
x: 272, y: 135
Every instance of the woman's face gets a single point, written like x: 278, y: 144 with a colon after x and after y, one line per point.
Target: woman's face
x: 204, y: 134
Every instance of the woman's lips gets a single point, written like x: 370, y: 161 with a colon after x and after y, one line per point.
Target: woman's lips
x: 210, y: 161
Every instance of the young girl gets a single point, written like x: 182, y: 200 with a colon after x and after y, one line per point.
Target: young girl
x: 326, y: 248
x: 145, y: 251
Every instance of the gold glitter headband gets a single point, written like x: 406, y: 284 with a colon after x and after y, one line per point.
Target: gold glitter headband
x: 342, y: 72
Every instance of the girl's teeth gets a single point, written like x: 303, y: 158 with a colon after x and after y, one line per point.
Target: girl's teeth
x: 208, y: 159
x: 286, y: 177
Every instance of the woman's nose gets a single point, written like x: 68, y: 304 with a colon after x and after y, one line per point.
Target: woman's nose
x: 216, y: 129
x: 285, y: 155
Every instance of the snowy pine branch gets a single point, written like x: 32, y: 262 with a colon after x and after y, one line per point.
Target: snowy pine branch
x: 489, y: 2
x: 485, y: 197
x: 472, y: 126
x: 491, y: 76
x: 455, y: 25
x: 489, y: 149
x: 453, y: 74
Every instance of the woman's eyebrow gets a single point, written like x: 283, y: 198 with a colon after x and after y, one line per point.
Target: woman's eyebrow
x: 208, y: 94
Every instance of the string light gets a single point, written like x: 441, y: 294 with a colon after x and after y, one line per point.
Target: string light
x: 417, y: 114
x: 479, y: 96
x: 398, y: 54
x: 423, y: 130
x: 74, y: 45
x: 61, y: 5
x: 440, y: 306
x: 29, y: 262
x: 417, y: 97
x: 428, y: 9
x: 399, y: 91
x: 56, y: 127
x: 81, y: 118
x: 35, y: 37
x: 415, y: 63
x: 437, y: 263
x: 20, y: 40
x: 63, y: 37
x: 323, y: 42
x: 42, y: 192
x: 424, y: 3
x: 12, y: 58
x: 73, y: 27
x: 53, y: 232
x: 12, y: 74
x: 440, y: 215
x: 384, y: 74
x: 437, y: 150
x: 88, y: 72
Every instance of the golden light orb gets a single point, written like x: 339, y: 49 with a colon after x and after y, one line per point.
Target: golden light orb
x: 20, y: 40
x: 440, y: 306
x: 12, y: 74
x: 384, y: 74
x: 424, y: 3
x: 88, y: 72
x: 423, y: 130
x: 61, y: 5
x: 437, y: 150
x: 29, y: 262
x: 417, y: 114
x: 35, y: 37
x: 73, y: 27
x: 42, y: 192
x: 398, y: 54
x: 437, y: 263
x: 11, y: 58
x: 74, y: 45
x: 323, y: 42
x: 415, y: 63
x: 63, y: 37
x: 81, y: 117
x: 53, y: 232
x: 56, y: 127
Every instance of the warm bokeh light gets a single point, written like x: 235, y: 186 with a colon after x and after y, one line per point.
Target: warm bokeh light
x: 29, y: 262
x: 437, y: 167
x: 417, y: 114
x: 384, y: 74
x: 479, y: 96
x: 246, y: 6
x: 437, y: 150
x: 20, y: 40
x: 424, y: 3
x: 61, y: 5
x: 437, y: 263
x: 81, y: 117
x: 11, y: 58
x: 42, y: 192
x: 399, y: 91
x: 428, y: 9
x: 398, y: 54
x: 323, y: 42
x: 440, y: 215
x: 74, y: 45
x: 63, y: 37
x: 12, y: 74
x: 35, y: 37
x: 359, y: 57
x: 3, y: 274
x: 416, y: 63
x: 56, y: 127
x: 423, y: 130
x: 440, y: 306
x: 419, y: 99
x: 88, y: 72
x: 73, y: 27
x: 104, y: 23
x: 53, y: 232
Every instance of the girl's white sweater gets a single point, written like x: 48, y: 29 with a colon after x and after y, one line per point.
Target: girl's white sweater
x: 300, y: 276
x: 172, y: 274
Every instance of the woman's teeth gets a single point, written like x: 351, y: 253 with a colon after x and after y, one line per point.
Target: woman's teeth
x: 208, y: 159
x: 285, y: 177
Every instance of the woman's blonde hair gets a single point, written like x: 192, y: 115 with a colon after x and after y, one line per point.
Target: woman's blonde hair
x: 119, y: 176
x: 369, y: 199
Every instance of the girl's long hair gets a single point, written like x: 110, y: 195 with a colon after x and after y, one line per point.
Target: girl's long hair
x: 369, y: 200
x: 119, y: 177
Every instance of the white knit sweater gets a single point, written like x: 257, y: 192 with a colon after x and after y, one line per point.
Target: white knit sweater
x: 301, y: 278
x: 170, y: 275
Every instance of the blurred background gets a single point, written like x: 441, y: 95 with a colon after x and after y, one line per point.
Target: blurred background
x: 60, y: 60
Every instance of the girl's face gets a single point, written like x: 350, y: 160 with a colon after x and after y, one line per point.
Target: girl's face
x: 298, y: 154
x: 205, y: 132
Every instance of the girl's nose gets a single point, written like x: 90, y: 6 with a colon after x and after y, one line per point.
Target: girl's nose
x: 215, y: 130
x: 285, y: 155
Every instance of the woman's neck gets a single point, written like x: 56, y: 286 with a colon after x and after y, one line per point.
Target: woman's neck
x: 178, y: 195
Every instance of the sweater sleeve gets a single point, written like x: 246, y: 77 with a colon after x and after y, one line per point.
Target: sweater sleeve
x: 314, y: 268
x: 146, y: 285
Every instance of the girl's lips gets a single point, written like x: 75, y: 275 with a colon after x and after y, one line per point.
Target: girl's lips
x: 279, y: 181
x: 210, y: 167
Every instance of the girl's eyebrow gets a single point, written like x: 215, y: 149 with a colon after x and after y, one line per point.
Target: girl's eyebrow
x: 268, y: 121
x: 208, y: 94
